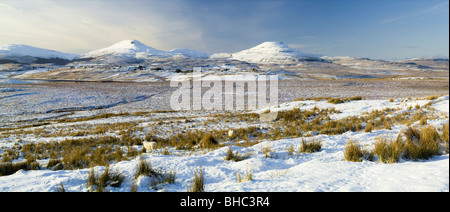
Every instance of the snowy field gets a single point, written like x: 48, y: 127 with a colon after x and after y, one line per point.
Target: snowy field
x: 268, y: 164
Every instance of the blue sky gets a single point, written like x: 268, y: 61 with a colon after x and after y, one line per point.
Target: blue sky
x: 379, y: 29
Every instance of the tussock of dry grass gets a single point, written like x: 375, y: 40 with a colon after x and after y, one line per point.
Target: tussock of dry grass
x: 421, y: 143
x: 354, y: 153
x: 230, y: 155
x: 444, y: 137
x: 99, y: 183
x: 389, y: 151
x: 144, y: 168
x: 310, y: 147
x: 198, y: 183
x: 248, y: 176
x: 208, y: 141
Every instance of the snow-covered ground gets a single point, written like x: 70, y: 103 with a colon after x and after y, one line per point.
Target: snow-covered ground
x: 325, y: 170
x: 322, y: 171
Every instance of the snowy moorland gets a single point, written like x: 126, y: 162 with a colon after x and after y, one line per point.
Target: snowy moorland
x: 102, y: 121
x: 256, y: 156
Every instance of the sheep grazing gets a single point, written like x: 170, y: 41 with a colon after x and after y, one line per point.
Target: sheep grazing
x: 230, y: 133
x: 149, y: 146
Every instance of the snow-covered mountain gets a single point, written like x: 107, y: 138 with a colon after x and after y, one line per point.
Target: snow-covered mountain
x: 28, y: 54
x: 126, y: 48
x: 272, y: 52
x: 135, y: 51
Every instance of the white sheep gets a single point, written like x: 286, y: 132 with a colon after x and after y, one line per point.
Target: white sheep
x: 230, y: 133
x: 149, y: 146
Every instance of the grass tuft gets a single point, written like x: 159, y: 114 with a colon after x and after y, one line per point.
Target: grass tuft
x: 421, y: 144
x: 99, y: 183
x: 389, y: 151
x: 444, y: 137
x: 235, y: 156
x: 310, y: 147
x: 248, y: 176
x: 353, y: 152
x: 208, y: 141
x: 157, y: 177
x: 198, y: 183
x: 144, y: 168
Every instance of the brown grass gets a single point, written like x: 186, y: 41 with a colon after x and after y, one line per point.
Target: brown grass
x: 389, y: 151
x: 11, y: 168
x: 267, y: 151
x: 369, y: 127
x: 444, y: 137
x: 99, y: 183
x: 78, y: 153
x: 353, y: 152
x: 198, y: 183
x: 208, y: 141
x: 235, y: 156
x: 421, y: 144
x: 144, y: 168
x: 310, y: 147
x: 248, y: 176
x: 343, y: 100
x: 433, y: 97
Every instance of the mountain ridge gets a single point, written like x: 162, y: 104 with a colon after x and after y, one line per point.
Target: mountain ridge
x: 267, y: 52
x: 134, y: 51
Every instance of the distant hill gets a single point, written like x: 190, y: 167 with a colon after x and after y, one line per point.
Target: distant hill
x: 18, y: 53
x: 272, y: 52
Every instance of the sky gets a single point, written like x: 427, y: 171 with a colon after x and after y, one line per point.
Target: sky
x: 378, y: 29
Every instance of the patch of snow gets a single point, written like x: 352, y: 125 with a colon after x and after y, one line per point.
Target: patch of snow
x: 441, y: 104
